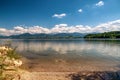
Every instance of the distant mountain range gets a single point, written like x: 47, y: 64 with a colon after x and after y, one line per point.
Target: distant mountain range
x: 45, y: 36
x: 111, y: 35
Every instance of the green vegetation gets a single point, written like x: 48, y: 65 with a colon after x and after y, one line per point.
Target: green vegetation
x: 109, y: 35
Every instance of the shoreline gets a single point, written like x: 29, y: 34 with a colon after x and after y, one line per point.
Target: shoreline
x: 60, y: 65
x: 70, y: 75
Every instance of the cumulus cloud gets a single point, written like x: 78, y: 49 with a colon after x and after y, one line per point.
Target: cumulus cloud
x: 3, y: 31
x: 80, y: 10
x: 37, y: 29
x: 63, y: 28
x: 100, y: 3
x: 18, y: 28
x: 59, y: 15
x: 106, y: 27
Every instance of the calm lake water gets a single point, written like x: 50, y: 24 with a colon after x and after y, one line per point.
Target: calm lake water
x: 69, y: 55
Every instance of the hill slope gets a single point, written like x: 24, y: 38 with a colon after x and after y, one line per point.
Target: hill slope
x: 46, y: 36
x: 111, y: 35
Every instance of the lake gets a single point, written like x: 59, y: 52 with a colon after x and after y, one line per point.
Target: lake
x: 69, y: 55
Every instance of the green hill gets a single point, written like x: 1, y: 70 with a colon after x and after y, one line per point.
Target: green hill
x: 110, y: 35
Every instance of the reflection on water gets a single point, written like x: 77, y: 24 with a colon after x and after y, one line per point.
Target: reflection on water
x: 65, y: 47
x: 63, y: 53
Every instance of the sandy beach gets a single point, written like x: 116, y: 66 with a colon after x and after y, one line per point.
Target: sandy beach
x: 70, y: 76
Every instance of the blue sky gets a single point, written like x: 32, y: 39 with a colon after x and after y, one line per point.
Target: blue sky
x: 51, y: 13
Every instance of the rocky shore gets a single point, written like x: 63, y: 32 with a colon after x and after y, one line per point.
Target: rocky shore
x: 95, y: 76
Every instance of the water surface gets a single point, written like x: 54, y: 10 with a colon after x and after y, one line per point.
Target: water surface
x: 69, y: 55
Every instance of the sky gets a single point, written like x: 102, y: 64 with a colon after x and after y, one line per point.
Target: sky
x: 58, y: 16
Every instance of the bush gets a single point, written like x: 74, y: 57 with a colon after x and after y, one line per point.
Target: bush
x: 9, y: 61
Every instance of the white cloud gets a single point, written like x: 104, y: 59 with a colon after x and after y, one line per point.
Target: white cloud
x: 80, y: 10
x: 64, y: 28
x: 59, y: 28
x: 59, y: 15
x: 37, y: 29
x: 2, y: 30
x: 100, y: 3
x: 106, y: 27
x: 18, y: 28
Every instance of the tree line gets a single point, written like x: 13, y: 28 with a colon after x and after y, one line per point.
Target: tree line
x: 110, y: 35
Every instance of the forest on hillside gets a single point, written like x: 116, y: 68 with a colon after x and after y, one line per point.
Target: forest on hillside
x: 110, y: 35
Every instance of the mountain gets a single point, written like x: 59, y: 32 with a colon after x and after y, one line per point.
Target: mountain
x: 70, y: 34
x: 46, y: 36
x: 3, y: 36
x: 110, y: 35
